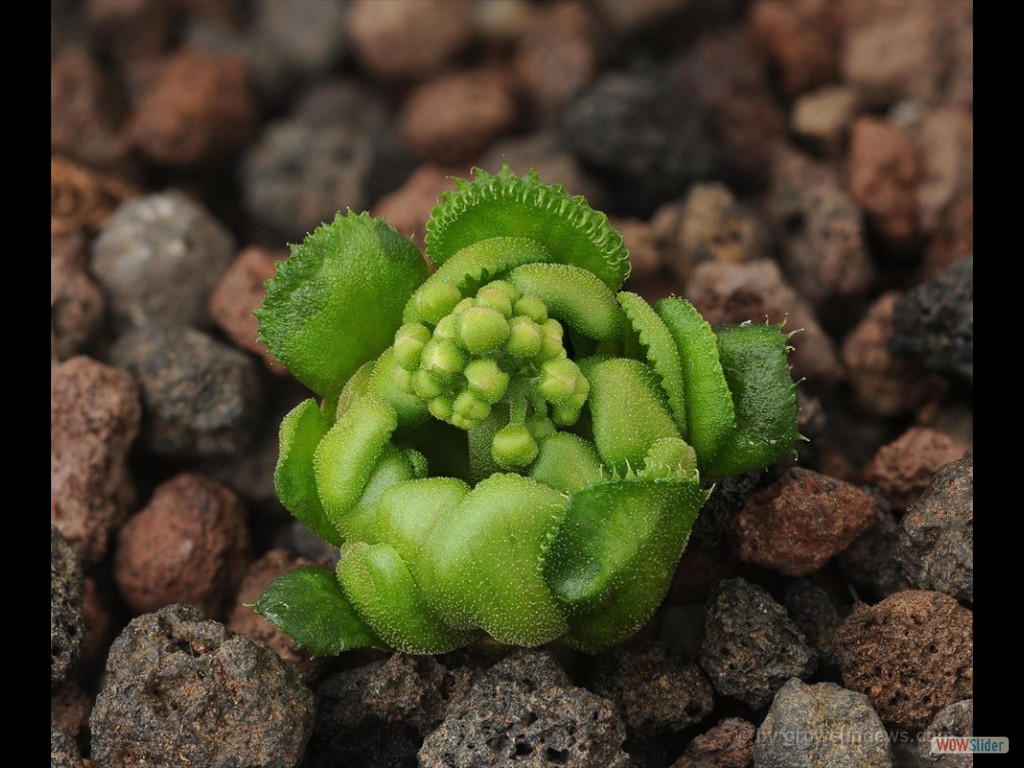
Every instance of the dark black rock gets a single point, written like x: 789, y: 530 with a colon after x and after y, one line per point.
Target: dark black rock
x: 751, y: 646
x: 524, y: 712
x: 657, y: 693
x: 67, y: 627
x: 377, y: 715
x: 935, y: 549
x: 729, y: 495
x: 649, y: 141
x: 934, y: 322
x: 338, y: 150
x: 63, y: 750
x: 182, y: 690
x: 869, y: 564
x: 813, y: 611
x: 200, y: 397
x: 158, y: 259
x: 823, y: 725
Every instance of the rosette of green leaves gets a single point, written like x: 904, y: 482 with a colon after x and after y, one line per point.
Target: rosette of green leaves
x: 511, y: 445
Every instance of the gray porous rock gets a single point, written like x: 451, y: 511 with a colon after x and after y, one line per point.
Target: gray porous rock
x: 811, y: 609
x: 751, y: 646
x: 935, y: 549
x: 200, y: 397
x: 824, y: 726
x: 955, y: 720
x: 63, y: 750
x: 657, y: 693
x: 377, y: 715
x: 524, y: 712
x: 183, y: 690
x: 158, y: 259
x: 338, y: 149
x: 67, y: 627
x: 869, y: 563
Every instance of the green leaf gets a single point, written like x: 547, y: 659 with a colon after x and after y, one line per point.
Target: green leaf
x: 567, y: 463
x: 409, y: 510
x: 481, y: 563
x: 660, y: 352
x: 338, y: 300
x: 755, y: 364
x: 468, y: 270
x: 611, y: 561
x: 628, y: 412
x: 572, y: 295
x: 294, y: 478
x: 504, y: 204
x: 379, y: 584
x: 347, y: 457
x: 309, y: 606
x: 710, y: 414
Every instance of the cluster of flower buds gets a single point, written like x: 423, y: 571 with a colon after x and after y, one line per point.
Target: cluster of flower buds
x: 469, y: 354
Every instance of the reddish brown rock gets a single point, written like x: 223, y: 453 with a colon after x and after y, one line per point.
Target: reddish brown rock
x: 800, y: 522
x: 729, y: 744
x: 132, y: 30
x: 81, y: 198
x: 897, y: 49
x: 407, y: 39
x: 94, y: 417
x: 85, y: 111
x: 902, y: 469
x: 883, y: 170
x: 188, y: 545
x: 821, y: 118
x: 946, y: 142
x: 945, y: 195
x: 244, y: 620
x: 69, y: 708
x: 453, y: 118
x: 801, y: 39
x: 408, y: 207
x: 952, y: 241
x: 557, y: 53
x: 912, y: 654
x: 240, y: 292
x: 76, y: 302
x: 884, y: 385
x: 709, y: 225
x: 756, y: 291
x: 645, y: 252
x: 820, y: 229
x: 198, y: 110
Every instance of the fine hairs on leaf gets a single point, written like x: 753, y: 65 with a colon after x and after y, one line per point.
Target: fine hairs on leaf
x: 511, y: 446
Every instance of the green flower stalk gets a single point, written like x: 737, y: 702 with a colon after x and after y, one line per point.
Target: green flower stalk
x: 512, y: 445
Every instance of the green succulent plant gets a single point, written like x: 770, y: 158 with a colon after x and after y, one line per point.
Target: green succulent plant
x: 508, y: 446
